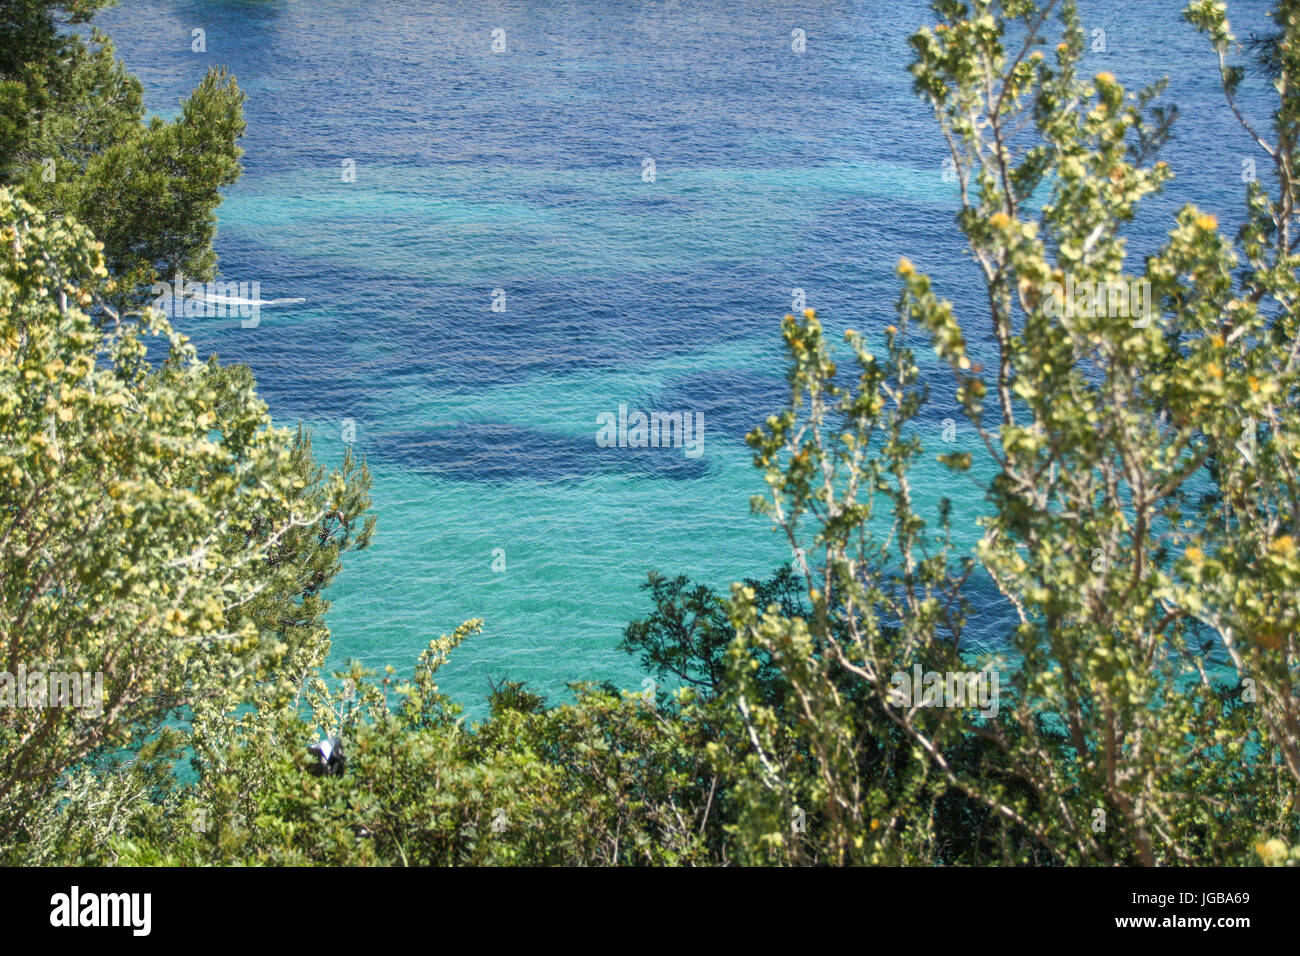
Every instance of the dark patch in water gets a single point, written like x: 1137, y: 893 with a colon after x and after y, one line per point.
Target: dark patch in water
x: 495, y: 452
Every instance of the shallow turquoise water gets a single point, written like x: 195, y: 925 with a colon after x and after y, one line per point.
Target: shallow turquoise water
x: 523, y: 171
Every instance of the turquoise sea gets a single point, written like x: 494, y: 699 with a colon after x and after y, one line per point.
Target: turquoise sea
x: 519, y: 176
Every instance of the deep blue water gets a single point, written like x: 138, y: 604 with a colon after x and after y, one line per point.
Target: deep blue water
x: 522, y: 170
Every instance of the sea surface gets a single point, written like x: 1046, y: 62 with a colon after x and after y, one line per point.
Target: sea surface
x: 639, y: 188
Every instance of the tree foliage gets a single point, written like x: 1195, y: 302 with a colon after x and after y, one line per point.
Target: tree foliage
x: 75, y: 140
